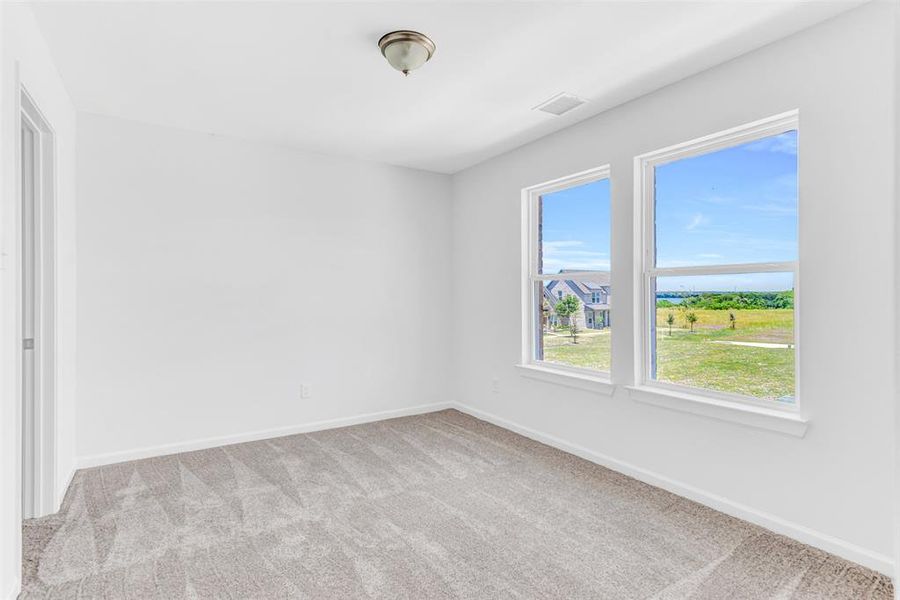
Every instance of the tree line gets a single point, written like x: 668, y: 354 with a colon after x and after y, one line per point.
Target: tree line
x: 733, y: 301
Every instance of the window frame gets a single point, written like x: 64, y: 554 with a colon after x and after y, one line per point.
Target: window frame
x: 646, y: 271
x: 531, y: 276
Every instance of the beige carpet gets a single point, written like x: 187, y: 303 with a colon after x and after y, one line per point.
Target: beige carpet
x: 434, y: 506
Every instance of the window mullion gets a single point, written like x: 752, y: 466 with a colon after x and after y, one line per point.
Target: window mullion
x: 574, y: 275
x: 768, y: 267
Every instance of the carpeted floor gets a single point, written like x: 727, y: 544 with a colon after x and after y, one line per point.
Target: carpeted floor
x: 433, y: 506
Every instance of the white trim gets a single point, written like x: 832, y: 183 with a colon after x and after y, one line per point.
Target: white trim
x: 896, y: 308
x: 596, y: 276
x: 14, y: 590
x: 61, y: 492
x: 873, y: 560
x: 734, y: 136
x: 775, y: 267
x: 582, y: 379
x: 639, y: 221
x: 645, y: 271
x: 96, y: 460
x: 773, y: 419
x: 530, y: 273
x: 867, y: 558
x: 567, y: 181
x: 12, y: 297
x: 44, y: 355
x: 703, y: 394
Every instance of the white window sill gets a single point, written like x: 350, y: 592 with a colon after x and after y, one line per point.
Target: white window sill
x: 745, y: 414
x: 569, y: 378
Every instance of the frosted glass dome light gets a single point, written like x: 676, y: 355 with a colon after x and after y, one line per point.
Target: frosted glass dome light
x: 406, y: 50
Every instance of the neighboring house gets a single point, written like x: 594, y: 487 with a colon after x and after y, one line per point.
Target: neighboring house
x: 593, y: 295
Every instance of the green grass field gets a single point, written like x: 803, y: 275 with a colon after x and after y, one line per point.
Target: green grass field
x: 591, y: 351
x: 707, y: 357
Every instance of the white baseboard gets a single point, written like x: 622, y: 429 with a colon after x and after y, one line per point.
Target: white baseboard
x: 873, y: 560
x: 61, y: 492
x: 13, y: 592
x: 96, y: 460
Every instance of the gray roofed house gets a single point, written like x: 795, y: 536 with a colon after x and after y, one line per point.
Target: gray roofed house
x: 593, y: 295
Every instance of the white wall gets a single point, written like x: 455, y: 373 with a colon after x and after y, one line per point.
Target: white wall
x: 216, y: 276
x: 896, y: 120
x: 23, y: 50
x: 834, y: 487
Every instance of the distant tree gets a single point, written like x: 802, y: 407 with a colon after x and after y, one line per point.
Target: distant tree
x: 566, y: 308
x: 784, y: 300
x: 573, y: 329
x: 691, y: 318
x: 670, y: 320
x: 739, y: 300
x: 732, y: 319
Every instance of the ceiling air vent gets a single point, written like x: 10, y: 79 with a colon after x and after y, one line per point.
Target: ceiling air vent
x: 560, y: 104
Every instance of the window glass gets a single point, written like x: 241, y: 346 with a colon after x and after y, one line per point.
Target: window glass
x: 574, y: 229
x: 728, y: 333
x: 732, y: 206
x: 569, y: 231
x: 574, y: 330
x: 721, y: 275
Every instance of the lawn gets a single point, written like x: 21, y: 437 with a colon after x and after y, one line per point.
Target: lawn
x: 706, y: 357
x: 591, y: 351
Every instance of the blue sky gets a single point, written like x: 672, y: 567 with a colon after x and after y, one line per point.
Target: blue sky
x: 576, y: 228
x: 736, y: 205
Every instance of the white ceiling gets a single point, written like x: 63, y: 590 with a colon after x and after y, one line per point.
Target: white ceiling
x: 309, y: 75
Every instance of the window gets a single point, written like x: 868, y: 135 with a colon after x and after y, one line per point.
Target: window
x: 567, y: 265
x: 718, y: 224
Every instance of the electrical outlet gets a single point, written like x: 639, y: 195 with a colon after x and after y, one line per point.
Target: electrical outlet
x: 304, y: 391
x: 495, y: 385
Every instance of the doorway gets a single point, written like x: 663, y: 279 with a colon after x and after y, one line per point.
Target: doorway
x: 37, y: 313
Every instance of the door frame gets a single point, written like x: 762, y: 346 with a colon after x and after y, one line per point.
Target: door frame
x: 43, y: 433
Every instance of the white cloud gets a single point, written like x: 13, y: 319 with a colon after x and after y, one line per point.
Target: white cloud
x: 567, y: 254
x: 563, y: 243
x: 697, y: 220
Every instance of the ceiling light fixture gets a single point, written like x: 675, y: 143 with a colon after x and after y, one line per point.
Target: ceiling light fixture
x: 406, y: 50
